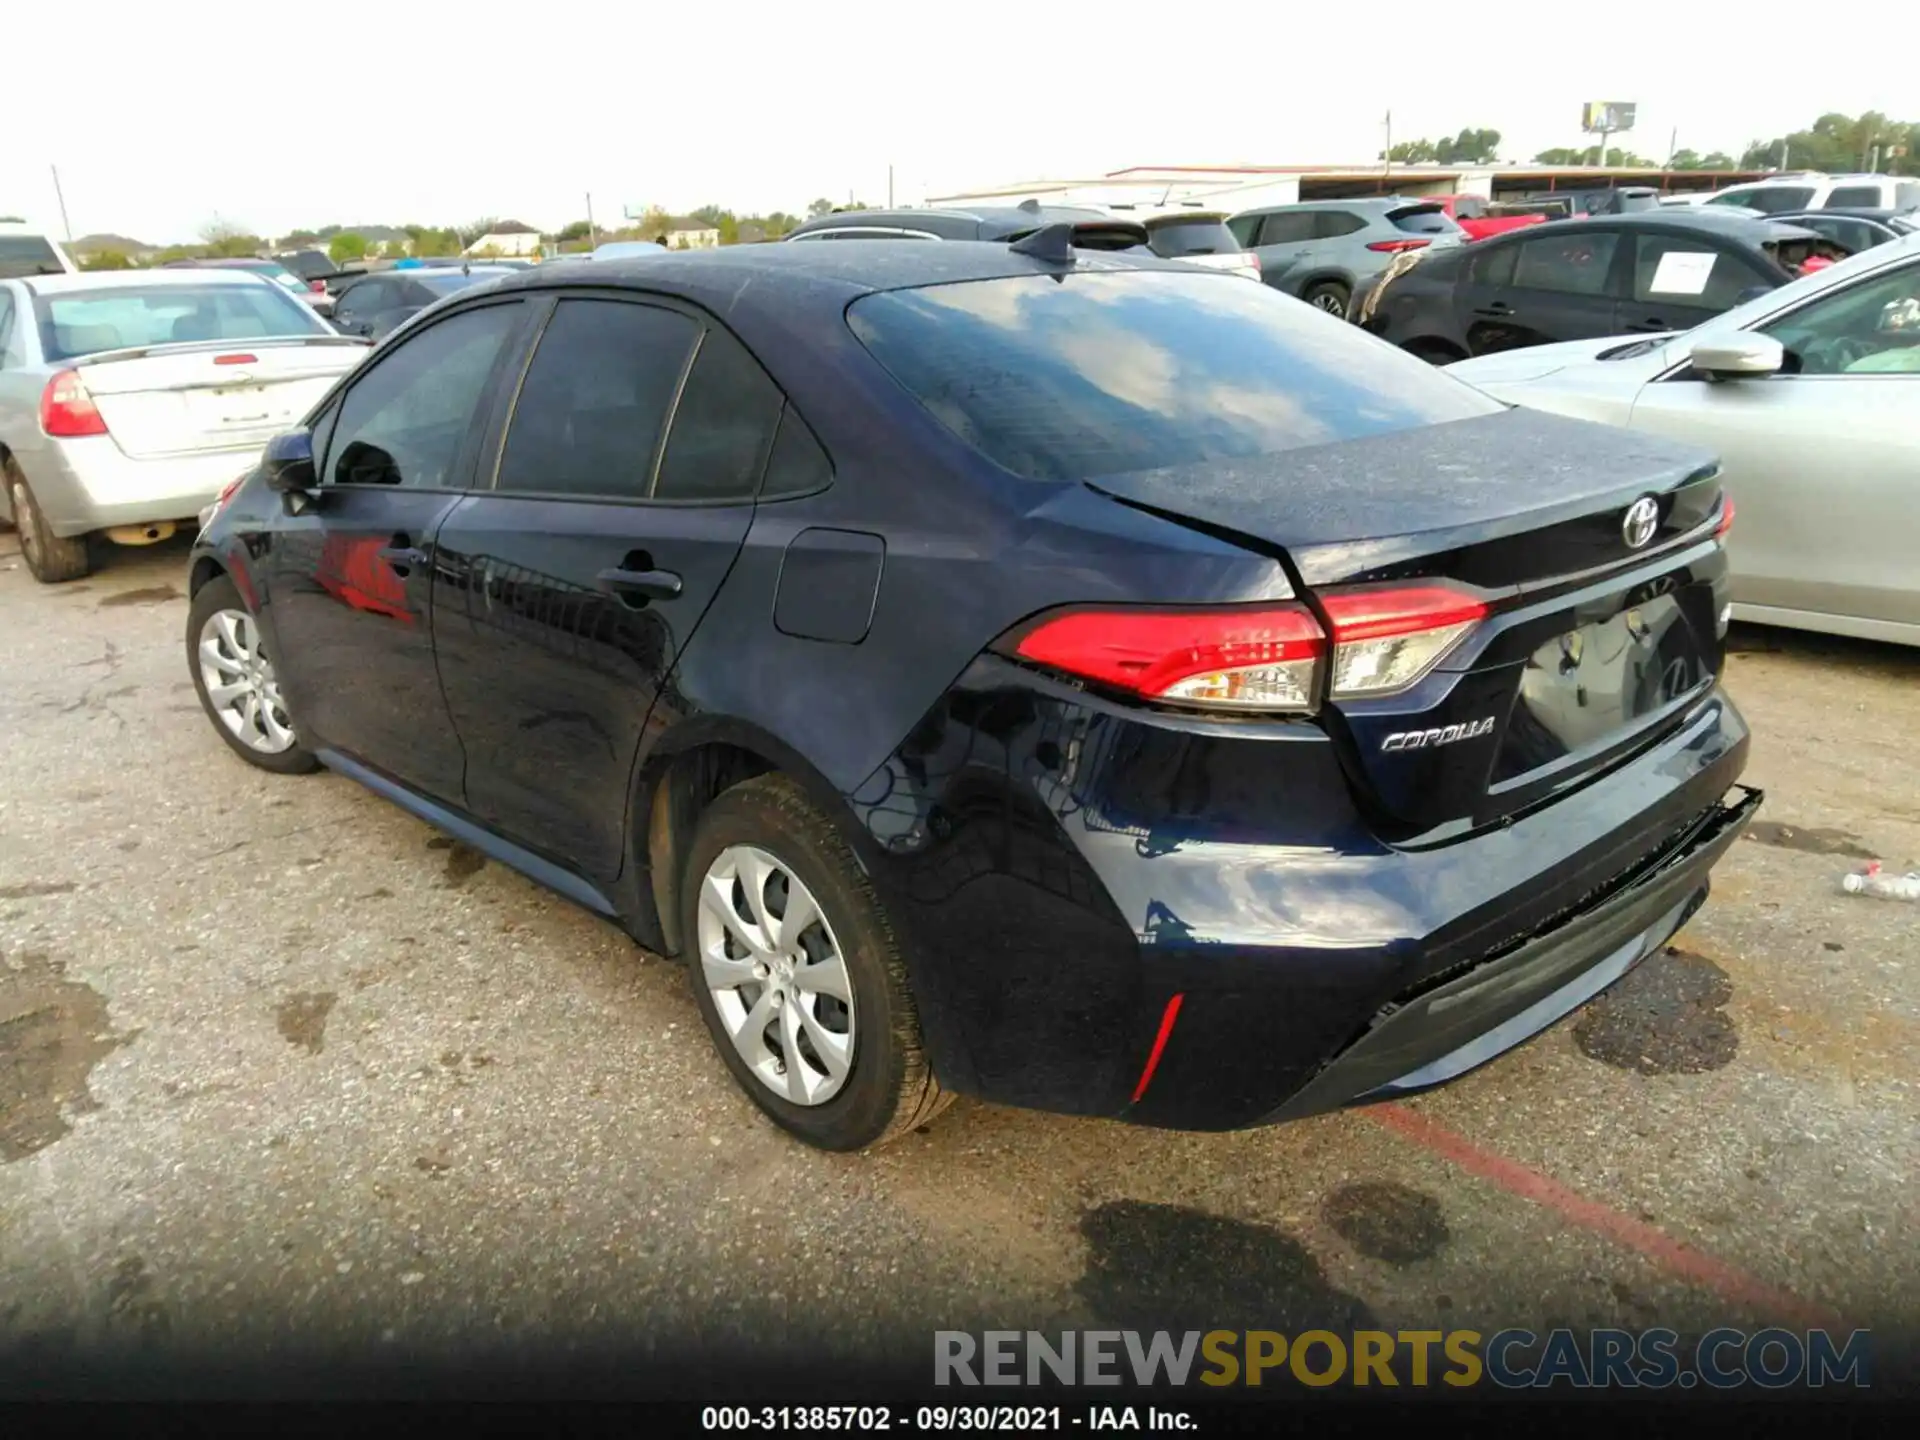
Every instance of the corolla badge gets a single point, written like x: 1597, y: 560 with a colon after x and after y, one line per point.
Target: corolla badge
x: 1445, y: 735
x: 1640, y: 521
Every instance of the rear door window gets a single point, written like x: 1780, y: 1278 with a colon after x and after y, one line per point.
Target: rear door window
x: 722, y: 427
x: 1772, y: 199
x: 1852, y: 197
x: 1570, y: 264
x: 1332, y: 224
x: 1683, y: 270
x: 407, y: 420
x: 595, y: 400
x: 1099, y: 373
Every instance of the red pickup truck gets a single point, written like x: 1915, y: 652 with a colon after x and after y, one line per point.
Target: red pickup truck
x: 1481, y: 218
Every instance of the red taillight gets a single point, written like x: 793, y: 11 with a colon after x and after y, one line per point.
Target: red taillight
x: 236, y: 359
x: 1394, y: 247
x: 1264, y: 658
x: 67, y: 411
x: 1386, y: 638
x: 318, y: 287
x: 1726, y: 518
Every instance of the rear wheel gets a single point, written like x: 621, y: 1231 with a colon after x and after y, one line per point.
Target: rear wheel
x: 1330, y: 296
x: 797, y: 973
x: 50, y: 558
x: 237, y: 684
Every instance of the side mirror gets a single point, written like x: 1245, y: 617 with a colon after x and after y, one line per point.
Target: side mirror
x: 288, y: 463
x: 1732, y: 357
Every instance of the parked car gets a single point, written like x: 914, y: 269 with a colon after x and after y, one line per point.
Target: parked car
x: 128, y: 398
x: 1809, y: 394
x: 1093, y: 229
x: 1660, y: 269
x: 1813, y: 191
x: 26, y: 251
x: 377, y: 304
x: 1074, y: 680
x: 309, y: 292
x: 1857, y: 229
x: 308, y: 264
x: 621, y: 250
x: 1187, y: 232
x: 1326, y: 251
x: 1478, y: 218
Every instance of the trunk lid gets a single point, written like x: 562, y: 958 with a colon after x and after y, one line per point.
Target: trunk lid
x: 223, y: 395
x: 1591, y: 645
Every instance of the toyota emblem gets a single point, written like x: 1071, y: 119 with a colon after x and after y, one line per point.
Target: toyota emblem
x: 1640, y: 521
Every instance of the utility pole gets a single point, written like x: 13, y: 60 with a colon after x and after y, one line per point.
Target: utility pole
x: 1387, y: 154
x: 593, y: 235
x: 1673, y: 146
x: 1783, y: 154
x: 65, y: 224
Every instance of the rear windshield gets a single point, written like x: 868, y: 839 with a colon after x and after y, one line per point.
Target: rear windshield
x: 87, y: 322
x: 27, y: 255
x: 1100, y: 373
x: 1424, y: 221
x: 1192, y: 237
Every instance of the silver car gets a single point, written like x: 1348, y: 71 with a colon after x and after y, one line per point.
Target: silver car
x: 1327, y: 251
x: 1811, y: 396
x: 129, y: 399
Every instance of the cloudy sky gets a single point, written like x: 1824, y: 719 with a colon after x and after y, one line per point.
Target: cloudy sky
x: 281, y: 116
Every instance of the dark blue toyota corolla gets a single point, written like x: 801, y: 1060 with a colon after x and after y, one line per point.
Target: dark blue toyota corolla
x: 1075, y: 680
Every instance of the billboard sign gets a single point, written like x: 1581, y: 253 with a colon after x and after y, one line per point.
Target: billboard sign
x: 1608, y: 117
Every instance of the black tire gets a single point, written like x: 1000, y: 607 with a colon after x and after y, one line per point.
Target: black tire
x: 890, y: 1087
x: 218, y: 594
x: 1434, y: 352
x: 50, y: 558
x: 1329, y: 295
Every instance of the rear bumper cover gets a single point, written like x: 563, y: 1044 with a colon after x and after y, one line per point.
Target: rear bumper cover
x: 1460, y: 1025
x: 90, y: 484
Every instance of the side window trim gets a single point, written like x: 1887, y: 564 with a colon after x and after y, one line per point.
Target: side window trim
x: 468, y: 458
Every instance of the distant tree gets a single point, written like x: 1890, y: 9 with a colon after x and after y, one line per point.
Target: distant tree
x: 778, y: 223
x: 1469, y: 147
x: 300, y: 239
x: 680, y: 242
x: 1692, y: 160
x: 578, y: 230
x: 1617, y: 156
x: 471, y: 231
x: 346, y: 246
x: 12, y: 220
x: 106, y: 260
x: 728, y: 227
x: 818, y: 208
x: 225, y: 239
x: 395, y: 250
x: 1839, y: 143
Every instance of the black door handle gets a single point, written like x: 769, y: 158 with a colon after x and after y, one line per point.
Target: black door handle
x: 640, y: 584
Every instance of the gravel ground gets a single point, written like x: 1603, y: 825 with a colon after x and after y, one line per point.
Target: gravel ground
x: 287, y: 1078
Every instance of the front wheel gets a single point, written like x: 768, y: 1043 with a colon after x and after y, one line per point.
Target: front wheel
x: 237, y: 684
x: 797, y: 973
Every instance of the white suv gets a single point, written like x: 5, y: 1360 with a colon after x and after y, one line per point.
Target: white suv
x: 1782, y: 193
x: 25, y: 252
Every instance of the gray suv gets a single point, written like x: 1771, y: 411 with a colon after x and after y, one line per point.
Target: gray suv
x: 1327, y: 251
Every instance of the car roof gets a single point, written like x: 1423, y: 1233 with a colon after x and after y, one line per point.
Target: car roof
x: 1010, y: 217
x: 244, y: 262
x: 1680, y: 218
x: 137, y: 279
x: 827, y: 275
x: 1381, y: 203
x: 1852, y: 212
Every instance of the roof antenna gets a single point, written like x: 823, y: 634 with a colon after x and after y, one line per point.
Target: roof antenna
x: 1030, y: 205
x: 1049, y: 242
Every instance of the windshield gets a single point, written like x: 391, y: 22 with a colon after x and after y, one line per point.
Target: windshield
x: 27, y: 255
x: 1099, y: 373
x: 87, y: 322
x: 1192, y: 237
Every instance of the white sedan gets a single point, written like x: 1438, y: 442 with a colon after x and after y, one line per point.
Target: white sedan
x: 1811, y: 396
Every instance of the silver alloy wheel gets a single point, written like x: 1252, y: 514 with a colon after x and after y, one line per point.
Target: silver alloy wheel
x: 25, y: 524
x: 240, y: 683
x: 1328, y: 301
x: 777, y: 975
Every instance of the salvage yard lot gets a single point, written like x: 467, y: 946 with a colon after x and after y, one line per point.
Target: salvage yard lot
x: 285, y: 1074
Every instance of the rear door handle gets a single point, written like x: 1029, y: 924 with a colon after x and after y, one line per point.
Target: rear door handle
x: 640, y: 584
